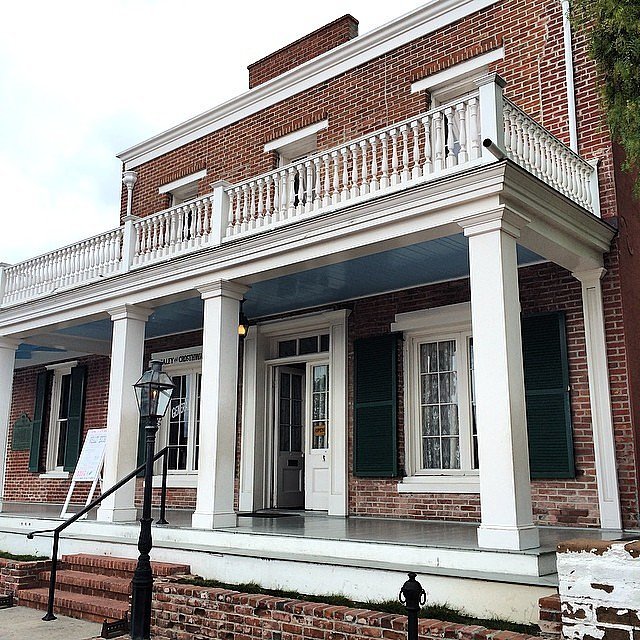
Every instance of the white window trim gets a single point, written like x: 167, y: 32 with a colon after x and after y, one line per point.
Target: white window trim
x: 177, y: 478
x: 469, y: 69
x: 296, y: 136
x: 442, y: 323
x: 182, y: 182
x: 59, y: 370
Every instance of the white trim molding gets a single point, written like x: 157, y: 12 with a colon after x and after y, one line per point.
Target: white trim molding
x: 176, y: 184
x: 600, y: 398
x: 295, y: 136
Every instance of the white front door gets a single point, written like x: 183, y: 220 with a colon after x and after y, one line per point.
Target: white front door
x: 317, y: 439
x: 289, y: 412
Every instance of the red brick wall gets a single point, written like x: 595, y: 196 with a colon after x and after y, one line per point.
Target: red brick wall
x: 310, y: 46
x: 20, y: 484
x: 378, y: 93
x: 182, y: 611
x: 18, y: 574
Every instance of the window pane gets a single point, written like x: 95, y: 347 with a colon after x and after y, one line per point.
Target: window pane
x: 296, y: 387
x: 449, y: 419
x: 65, y: 390
x: 287, y: 348
x: 320, y: 377
x: 448, y: 387
x: 446, y: 356
x: 430, y: 421
x: 308, y: 345
x: 324, y: 342
x: 450, y: 453
x: 285, y: 379
x: 428, y: 357
x: 285, y: 416
x: 431, y: 453
x: 430, y: 388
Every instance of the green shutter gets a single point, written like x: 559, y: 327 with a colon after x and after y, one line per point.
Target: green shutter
x: 375, y: 440
x: 38, y: 416
x: 546, y: 381
x: 76, y: 417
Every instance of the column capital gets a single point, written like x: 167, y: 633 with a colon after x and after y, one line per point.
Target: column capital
x: 590, y: 277
x: 9, y: 343
x: 130, y: 312
x: 491, y: 78
x: 220, y: 183
x: 224, y: 289
x: 498, y: 220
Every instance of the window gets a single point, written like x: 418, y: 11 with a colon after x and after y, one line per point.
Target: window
x: 184, y: 189
x: 180, y: 427
x: 320, y: 407
x: 59, y: 413
x: 440, y: 434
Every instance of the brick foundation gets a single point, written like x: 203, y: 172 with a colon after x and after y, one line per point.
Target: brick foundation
x: 186, y: 612
x: 17, y: 574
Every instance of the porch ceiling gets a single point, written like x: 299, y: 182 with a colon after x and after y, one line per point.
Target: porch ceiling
x: 400, y: 268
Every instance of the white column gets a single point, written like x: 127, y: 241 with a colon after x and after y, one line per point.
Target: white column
x: 600, y: 398
x: 505, y: 490
x: 7, y: 359
x: 216, y: 467
x: 338, y: 393
x: 123, y: 417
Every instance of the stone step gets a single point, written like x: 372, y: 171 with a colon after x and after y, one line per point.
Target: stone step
x: 120, y: 567
x: 89, y: 584
x: 75, y: 605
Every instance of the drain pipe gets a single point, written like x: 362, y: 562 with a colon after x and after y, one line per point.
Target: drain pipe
x: 568, y: 66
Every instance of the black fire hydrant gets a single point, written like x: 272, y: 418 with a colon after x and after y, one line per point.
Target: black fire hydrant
x: 412, y: 596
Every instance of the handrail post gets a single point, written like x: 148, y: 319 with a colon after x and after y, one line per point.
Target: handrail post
x: 52, y: 580
x: 128, y: 243
x: 220, y: 214
x: 163, y: 491
x: 490, y: 90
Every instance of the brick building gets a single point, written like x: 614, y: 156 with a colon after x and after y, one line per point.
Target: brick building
x: 428, y: 235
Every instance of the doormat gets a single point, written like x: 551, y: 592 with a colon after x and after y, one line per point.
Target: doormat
x: 268, y: 514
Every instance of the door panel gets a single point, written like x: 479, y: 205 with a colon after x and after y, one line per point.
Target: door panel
x: 317, y: 478
x: 289, y: 411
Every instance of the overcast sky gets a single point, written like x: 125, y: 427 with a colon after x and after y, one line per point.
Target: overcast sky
x: 81, y: 80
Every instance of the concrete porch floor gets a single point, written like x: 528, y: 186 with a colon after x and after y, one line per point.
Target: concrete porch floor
x: 362, y: 558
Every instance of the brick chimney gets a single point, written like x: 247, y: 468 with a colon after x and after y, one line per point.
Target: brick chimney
x: 310, y: 46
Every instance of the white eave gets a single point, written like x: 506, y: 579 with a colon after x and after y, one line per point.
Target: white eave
x: 415, y: 24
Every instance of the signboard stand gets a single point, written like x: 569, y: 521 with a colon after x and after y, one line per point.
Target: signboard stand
x: 89, y: 467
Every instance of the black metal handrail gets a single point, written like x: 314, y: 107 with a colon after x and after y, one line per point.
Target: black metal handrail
x: 76, y: 516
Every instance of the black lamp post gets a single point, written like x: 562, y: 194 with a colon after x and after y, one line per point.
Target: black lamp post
x: 153, y: 393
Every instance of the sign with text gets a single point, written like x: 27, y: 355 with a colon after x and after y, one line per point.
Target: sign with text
x: 21, y: 440
x: 91, y: 457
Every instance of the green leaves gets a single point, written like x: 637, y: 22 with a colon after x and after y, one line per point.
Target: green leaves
x: 614, y: 33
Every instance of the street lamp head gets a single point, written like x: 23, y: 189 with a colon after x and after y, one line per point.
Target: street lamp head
x: 153, y: 392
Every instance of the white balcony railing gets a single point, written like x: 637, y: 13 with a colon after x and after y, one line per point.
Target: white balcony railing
x: 439, y: 142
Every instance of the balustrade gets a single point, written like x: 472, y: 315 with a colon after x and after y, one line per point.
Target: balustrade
x: 398, y: 156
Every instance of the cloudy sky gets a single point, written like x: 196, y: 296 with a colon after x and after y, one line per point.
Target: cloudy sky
x: 81, y: 80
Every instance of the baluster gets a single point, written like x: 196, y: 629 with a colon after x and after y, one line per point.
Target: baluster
x: 526, y: 146
x: 301, y: 188
x: 520, y: 140
x: 268, y: 203
x: 291, y: 177
x: 415, y: 170
x: 451, y: 160
x: 438, y: 164
x: 317, y: 200
x: 194, y: 211
x: 589, y: 174
x: 283, y: 194
x: 543, y: 156
x: 326, y: 191
x: 276, y: 197
x: 156, y: 240
x: 404, y: 130
x: 373, y: 183
x: 308, y: 204
x: 354, y: 170
x: 461, y: 110
x: 252, y: 205
x: 344, y: 193
x: 174, y: 228
x: 237, y: 215
x: 364, y: 174
x: 427, y: 167
x: 260, y: 214
x: 474, y: 132
x: 336, y: 179
x: 244, y: 224
x: 137, y: 251
x: 537, y: 163
x: 201, y: 214
x: 384, y: 169
x: 506, y: 128
x: 394, y: 157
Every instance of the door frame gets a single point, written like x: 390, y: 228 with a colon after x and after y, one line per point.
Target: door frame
x: 256, y: 447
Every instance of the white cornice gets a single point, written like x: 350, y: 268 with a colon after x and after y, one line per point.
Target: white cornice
x: 427, y: 19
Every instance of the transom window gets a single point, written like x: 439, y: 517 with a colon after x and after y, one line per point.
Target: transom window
x: 303, y: 346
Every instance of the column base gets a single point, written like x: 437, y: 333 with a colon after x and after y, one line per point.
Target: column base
x: 106, y: 514
x: 201, y: 520
x: 511, y: 538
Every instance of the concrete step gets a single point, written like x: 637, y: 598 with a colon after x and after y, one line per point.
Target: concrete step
x: 89, y: 584
x: 75, y: 605
x: 120, y: 567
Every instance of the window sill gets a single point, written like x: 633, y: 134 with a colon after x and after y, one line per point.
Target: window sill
x: 177, y: 481
x: 55, y: 475
x: 440, y: 484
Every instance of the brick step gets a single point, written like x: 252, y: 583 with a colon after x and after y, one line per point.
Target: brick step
x: 75, y: 605
x: 89, y: 583
x: 120, y: 567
